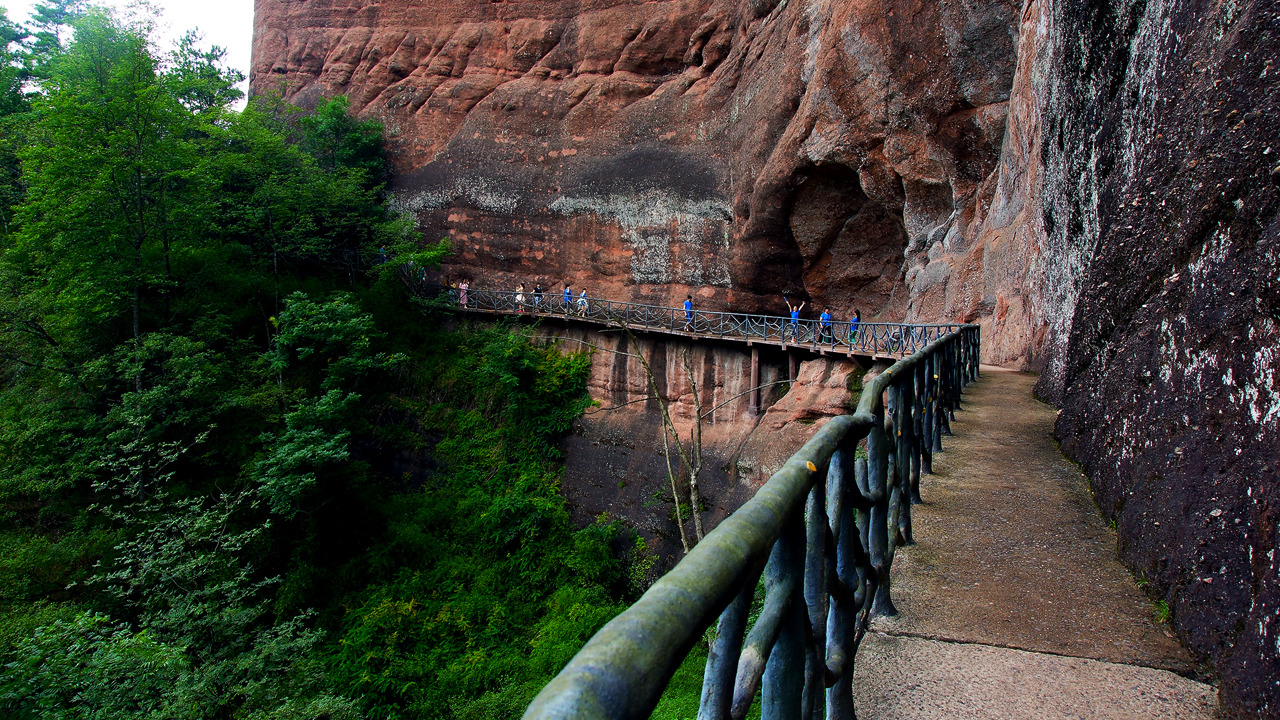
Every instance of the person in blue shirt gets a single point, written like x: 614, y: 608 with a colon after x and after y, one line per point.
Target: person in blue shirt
x: 794, y: 327
x: 688, y: 313
x: 824, y: 322
x: 853, y: 327
x: 568, y: 298
x: 582, y: 302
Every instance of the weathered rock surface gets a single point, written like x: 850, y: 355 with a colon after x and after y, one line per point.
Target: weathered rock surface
x: 615, y: 458
x: 1162, y: 200
x: 1097, y: 184
x: 744, y: 148
x: 1128, y: 246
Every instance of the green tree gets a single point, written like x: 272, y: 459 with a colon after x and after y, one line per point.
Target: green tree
x: 106, y: 160
x: 338, y: 140
x: 104, y: 176
x: 325, y: 349
x: 150, y: 208
x: 52, y: 22
x: 13, y: 103
x: 237, y: 478
x: 199, y: 78
x: 13, y: 72
x: 91, y: 667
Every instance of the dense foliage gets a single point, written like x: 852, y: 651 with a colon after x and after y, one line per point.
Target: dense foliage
x: 241, y: 473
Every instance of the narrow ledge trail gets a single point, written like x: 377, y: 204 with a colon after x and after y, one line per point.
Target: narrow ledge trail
x: 1014, y: 603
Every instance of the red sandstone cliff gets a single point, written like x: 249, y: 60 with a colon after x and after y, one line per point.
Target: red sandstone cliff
x: 739, y: 149
x: 615, y: 458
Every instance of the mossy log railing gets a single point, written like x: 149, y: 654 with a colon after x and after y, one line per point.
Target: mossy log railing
x: 822, y: 530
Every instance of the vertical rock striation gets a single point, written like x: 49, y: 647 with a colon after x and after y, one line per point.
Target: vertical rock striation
x: 615, y: 459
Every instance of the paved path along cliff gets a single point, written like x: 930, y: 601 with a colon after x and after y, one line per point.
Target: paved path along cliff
x: 1014, y: 603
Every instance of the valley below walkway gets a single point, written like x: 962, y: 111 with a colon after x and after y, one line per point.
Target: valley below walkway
x: 1014, y: 604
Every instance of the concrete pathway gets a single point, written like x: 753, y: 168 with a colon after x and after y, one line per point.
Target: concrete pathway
x: 1013, y: 604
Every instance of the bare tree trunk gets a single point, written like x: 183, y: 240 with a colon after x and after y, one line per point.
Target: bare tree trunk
x: 695, y: 463
x: 675, y: 492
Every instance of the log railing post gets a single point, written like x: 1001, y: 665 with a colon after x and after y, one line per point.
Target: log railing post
x: 917, y: 431
x: 843, y: 609
x: 879, y: 480
x: 783, y: 683
x: 816, y: 593
x: 722, y: 659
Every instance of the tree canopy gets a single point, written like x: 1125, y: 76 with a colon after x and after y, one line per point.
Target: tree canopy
x: 237, y: 478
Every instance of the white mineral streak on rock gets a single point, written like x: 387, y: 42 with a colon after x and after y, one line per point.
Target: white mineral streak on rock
x: 1141, y: 81
x: 478, y: 192
x: 668, y: 235
x: 1262, y: 391
x: 817, y: 13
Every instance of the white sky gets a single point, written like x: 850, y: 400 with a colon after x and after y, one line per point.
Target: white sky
x: 226, y: 23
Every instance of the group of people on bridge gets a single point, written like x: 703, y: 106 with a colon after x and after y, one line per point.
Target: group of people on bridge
x: 537, y: 299
x: 824, y: 321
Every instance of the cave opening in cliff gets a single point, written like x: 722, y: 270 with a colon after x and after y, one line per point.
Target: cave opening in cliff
x: 850, y: 245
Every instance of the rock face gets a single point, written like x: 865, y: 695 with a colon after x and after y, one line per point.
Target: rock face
x: 1162, y: 216
x: 1096, y: 184
x: 1130, y: 240
x: 615, y: 460
x: 737, y: 148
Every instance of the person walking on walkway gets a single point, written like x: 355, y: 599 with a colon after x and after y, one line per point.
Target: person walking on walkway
x: 794, y: 327
x: 824, y: 323
x: 520, y: 299
x: 537, y: 297
x: 568, y: 298
x: 853, y: 327
x: 688, y: 313
x: 463, y: 287
x: 582, y: 302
